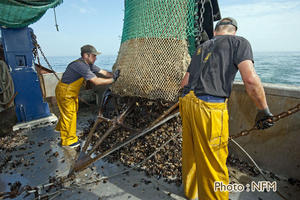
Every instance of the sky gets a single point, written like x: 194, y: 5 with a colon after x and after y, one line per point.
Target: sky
x: 269, y: 25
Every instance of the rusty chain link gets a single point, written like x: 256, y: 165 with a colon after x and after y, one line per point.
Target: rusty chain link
x: 35, y: 49
x: 36, y: 54
x: 286, y: 114
x: 200, y: 20
x: 274, y: 119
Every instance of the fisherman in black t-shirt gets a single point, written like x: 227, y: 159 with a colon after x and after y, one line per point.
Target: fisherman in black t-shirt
x: 203, y: 108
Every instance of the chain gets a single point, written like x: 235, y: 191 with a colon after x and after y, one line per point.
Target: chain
x: 35, y: 49
x: 286, y: 114
x: 36, y: 54
x: 247, y: 132
x: 199, y: 24
x: 273, y: 119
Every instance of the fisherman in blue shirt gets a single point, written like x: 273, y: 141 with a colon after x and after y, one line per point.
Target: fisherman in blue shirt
x: 67, y: 91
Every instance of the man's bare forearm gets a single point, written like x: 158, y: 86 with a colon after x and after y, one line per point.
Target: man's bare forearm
x: 106, y: 73
x: 185, y: 80
x: 253, y: 84
x: 102, y: 81
x: 256, y: 92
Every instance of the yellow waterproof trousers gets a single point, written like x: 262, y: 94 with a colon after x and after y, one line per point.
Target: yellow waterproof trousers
x: 204, y: 147
x: 67, y: 101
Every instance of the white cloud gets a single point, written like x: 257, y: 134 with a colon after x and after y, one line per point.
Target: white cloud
x: 83, y: 9
x: 268, y: 25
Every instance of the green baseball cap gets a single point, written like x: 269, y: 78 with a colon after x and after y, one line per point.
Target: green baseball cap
x: 227, y: 21
x: 89, y: 49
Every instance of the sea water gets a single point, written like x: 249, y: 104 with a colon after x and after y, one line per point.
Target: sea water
x: 272, y: 67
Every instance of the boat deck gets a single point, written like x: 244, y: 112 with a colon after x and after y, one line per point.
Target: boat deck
x: 36, y: 156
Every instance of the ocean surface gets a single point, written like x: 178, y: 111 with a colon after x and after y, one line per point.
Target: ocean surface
x: 272, y: 67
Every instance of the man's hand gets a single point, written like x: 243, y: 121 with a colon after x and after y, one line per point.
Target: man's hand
x: 263, y: 119
x: 116, y: 75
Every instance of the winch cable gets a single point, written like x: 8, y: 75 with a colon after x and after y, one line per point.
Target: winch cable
x: 255, y: 164
x: 6, y: 85
x: 56, y: 25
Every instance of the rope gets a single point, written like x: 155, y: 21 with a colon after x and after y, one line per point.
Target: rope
x: 56, y: 25
x: 255, y: 164
x: 6, y: 85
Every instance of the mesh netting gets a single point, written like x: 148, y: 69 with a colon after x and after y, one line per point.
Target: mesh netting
x: 20, y: 13
x: 154, y: 52
x: 158, y: 19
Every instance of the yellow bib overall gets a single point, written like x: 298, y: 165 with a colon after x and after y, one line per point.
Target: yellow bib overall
x: 67, y: 101
x: 204, y: 147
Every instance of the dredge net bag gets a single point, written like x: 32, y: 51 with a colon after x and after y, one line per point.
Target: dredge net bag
x: 157, y: 41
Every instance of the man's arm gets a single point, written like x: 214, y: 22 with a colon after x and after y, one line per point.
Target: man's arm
x: 101, y: 81
x: 185, y: 80
x: 253, y: 84
x: 256, y: 91
x: 106, y: 73
x: 106, y: 81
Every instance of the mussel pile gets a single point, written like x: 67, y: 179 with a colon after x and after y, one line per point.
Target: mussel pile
x: 167, y: 162
x: 9, y: 144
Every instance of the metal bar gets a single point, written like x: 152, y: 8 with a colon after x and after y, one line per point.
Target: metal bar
x: 110, y: 130
x: 165, y: 113
x: 140, y: 163
x: 129, y: 128
x: 90, y: 134
x: 106, y: 153
x: 115, y: 106
x: 131, y: 105
x: 115, y: 126
x: 104, y: 118
x: 86, y: 160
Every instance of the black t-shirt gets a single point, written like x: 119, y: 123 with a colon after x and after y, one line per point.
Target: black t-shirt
x: 214, y: 65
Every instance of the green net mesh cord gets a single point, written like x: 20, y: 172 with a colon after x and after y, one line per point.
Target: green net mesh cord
x: 154, y: 52
x: 20, y: 13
